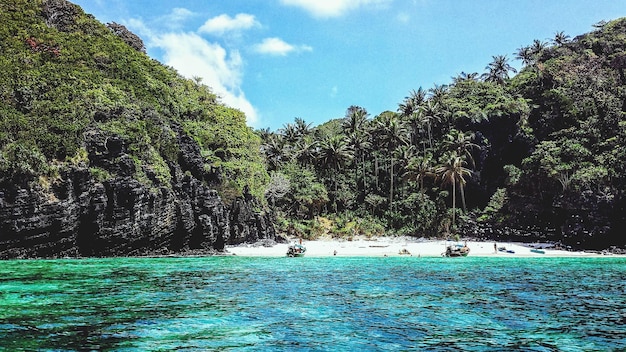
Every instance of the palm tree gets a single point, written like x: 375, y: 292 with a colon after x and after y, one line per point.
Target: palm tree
x: 355, y: 119
x: 302, y: 128
x: 537, y: 47
x: 461, y: 77
x: 305, y: 150
x: 453, y: 172
x: 290, y: 133
x: 461, y: 143
x: 498, y: 70
x: 273, y: 149
x: 418, y: 169
x: 359, y: 142
x: 355, y: 126
x: 264, y: 133
x: 409, y: 109
x: 334, y: 154
x: 560, y: 38
x: 394, y: 133
x: 404, y: 153
x: 429, y: 113
x: 411, y: 103
x: 525, y: 54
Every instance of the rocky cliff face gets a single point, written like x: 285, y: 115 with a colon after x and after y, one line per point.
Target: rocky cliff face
x: 79, y: 216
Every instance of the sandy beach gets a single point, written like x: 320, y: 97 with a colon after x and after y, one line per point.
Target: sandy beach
x: 393, y: 246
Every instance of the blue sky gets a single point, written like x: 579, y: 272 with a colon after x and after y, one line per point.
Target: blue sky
x: 280, y: 59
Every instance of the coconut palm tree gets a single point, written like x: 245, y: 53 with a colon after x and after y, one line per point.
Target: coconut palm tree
x: 498, y: 70
x: 453, y: 172
x: 355, y: 126
x: 355, y: 119
x: 334, y: 154
x: 289, y: 133
x: 462, y: 77
x: 394, y: 133
x: 525, y: 54
x: 411, y: 103
x: 461, y: 144
x: 418, y: 169
x: 273, y: 149
x: 537, y: 47
x: 305, y: 150
x: 560, y: 38
x: 429, y: 114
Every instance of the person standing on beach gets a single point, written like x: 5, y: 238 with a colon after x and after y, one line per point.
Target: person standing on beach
x: 495, y: 248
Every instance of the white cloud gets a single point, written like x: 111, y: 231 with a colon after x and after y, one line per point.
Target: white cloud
x: 277, y: 46
x: 179, y: 14
x: 224, y: 23
x: 332, y: 8
x: 192, y: 55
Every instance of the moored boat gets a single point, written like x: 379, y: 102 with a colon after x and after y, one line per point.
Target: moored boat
x: 457, y: 250
x: 296, y: 250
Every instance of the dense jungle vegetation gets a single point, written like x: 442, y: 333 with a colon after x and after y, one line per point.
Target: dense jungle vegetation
x: 65, y: 77
x: 540, y: 151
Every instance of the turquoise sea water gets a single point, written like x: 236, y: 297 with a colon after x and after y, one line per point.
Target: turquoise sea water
x: 325, y: 304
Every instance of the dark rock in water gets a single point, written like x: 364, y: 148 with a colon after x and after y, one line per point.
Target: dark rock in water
x: 78, y: 216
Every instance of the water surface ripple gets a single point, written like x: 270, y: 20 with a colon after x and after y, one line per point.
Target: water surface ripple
x: 315, y: 304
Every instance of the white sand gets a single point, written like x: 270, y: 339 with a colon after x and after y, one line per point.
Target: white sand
x: 390, y: 246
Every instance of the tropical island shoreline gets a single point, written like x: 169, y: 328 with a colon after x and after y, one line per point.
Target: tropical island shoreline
x: 407, y: 246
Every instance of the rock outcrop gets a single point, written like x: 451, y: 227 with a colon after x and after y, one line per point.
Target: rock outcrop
x: 78, y: 216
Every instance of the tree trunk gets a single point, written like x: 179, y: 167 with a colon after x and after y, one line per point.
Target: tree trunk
x: 453, y: 204
x: 391, y: 184
x: 462, y: 197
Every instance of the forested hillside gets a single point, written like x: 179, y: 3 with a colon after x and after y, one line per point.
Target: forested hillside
x: 537, y: 154
x: 104, y: 151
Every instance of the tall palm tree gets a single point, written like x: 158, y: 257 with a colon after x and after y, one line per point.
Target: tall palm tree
x: 359, y: 142
x: 411, y: 103
x: 409, y: 109
x: 355, y: 127
x: 429, y: 114
x: 525, y: 54
x: 302, y: 128
x: 334, y: 154
x: 264, y: 133
x: 404, y: 153
x: 453, y: 172
x: 498, y: 70
x: 394, y: 133
x: 461, y: 143
x: 418, y: 169
x: 289, y: 133
x: 437, y: 93
x: 273, y: 149
x: 537, y: 47
x: 461, y: 77
x: 560, y: 38
x: 355, y: 119
x: 305, y: 150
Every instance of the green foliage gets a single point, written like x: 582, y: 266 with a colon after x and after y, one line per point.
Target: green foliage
x: 496, y: 203
x: 228, y: 144
x: 99, y: 174
x: 19, y: 161
x: 306, y: 195
x: 66, y: 75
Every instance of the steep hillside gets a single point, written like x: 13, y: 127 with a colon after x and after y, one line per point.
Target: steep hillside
x: 104, y: 151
